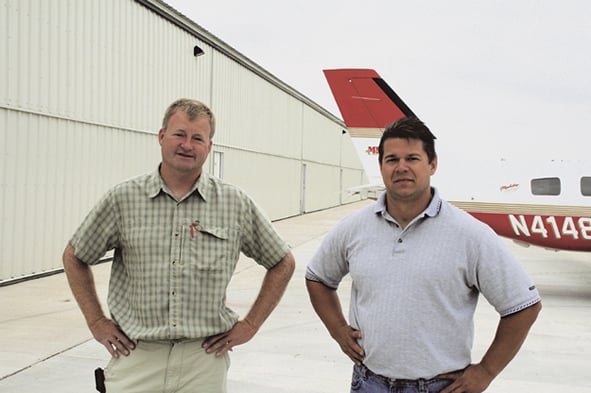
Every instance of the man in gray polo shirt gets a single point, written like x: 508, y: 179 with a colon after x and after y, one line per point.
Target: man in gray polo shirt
x: 418, y: 265
x: 177, y: 234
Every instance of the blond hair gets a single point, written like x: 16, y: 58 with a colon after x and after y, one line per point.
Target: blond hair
x: 193, y: 109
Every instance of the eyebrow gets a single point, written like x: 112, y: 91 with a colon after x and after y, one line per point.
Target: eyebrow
x: 397, y: 156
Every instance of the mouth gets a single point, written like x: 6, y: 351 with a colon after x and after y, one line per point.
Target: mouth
x: 185, y: 155
x: 399, y: 181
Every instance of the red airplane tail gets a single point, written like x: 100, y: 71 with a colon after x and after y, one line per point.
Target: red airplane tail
x: 365, y: 100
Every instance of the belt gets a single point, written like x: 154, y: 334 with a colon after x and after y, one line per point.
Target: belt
x: 407, y: 382
x: 174, y: 341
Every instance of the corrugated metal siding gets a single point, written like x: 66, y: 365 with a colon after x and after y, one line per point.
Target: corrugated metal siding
x: 322, y: 139
x: 254, y: 114
x: 53, y: 171
x: 83, y: 87
x: 109, y: 62
x: 322, y: 186
x: 273, y: 182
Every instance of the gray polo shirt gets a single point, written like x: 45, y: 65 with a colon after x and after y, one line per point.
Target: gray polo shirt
x: 414, y: 291
x: 174, y: 259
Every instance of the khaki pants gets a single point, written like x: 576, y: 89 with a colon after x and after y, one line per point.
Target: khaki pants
x: 167, y: 367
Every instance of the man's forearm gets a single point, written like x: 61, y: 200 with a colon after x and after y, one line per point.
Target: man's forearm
x: 327, y: 305
x: 511, y: 333
x: 272, y: 289
x: 81, y: 282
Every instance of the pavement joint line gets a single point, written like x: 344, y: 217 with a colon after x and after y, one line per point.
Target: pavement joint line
x: 43, y: 360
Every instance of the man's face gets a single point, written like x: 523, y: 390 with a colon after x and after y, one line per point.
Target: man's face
x: 185, y: 144
x: 406, y: 170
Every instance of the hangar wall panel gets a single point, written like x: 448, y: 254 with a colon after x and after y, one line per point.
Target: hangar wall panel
x: 272, y: 182
x: 83, y: 88
x: 322, y: 139
x: 254, y: 114
x: 326, y: 145
x: 108, y: 61
x: 322, y: 186
x: 53, y: 171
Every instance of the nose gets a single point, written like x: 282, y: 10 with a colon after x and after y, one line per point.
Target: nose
x: 402, y: 166
x: 186, y: 143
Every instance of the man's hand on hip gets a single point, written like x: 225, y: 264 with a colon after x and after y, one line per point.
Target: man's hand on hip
x: 112, y: 337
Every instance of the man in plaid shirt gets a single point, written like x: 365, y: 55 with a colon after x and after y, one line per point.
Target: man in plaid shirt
x: 177, y: 234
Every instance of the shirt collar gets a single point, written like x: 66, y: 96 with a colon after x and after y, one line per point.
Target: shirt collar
x: 432, y: 209
x: 435, y: 205
x: 155, y: 185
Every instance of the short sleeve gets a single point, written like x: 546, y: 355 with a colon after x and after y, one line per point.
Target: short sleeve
x: 98, y: 232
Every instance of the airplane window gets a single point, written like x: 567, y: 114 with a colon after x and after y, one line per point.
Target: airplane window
x: 545, y: 186
x: 586, y: 186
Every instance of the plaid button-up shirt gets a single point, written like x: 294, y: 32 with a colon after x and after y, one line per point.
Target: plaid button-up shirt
x: 173, y: 259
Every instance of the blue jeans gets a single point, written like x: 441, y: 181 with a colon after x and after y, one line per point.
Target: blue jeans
x: 365, y: 381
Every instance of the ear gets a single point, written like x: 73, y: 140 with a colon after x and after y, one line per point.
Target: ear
x: 161, y: 136
x: 433, y: 166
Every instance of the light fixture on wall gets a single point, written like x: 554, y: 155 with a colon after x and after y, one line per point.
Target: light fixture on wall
x: 197, y: 51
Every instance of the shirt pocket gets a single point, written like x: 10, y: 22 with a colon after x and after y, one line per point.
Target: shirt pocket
x: 215, y: 248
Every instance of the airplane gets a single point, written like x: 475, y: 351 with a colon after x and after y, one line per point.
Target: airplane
x: 541, y: 204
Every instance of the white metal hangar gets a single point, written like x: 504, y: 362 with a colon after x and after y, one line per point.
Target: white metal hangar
x: 83, y: 88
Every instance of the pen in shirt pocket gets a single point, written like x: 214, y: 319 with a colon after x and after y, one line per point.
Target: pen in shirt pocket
x: 195, y: 227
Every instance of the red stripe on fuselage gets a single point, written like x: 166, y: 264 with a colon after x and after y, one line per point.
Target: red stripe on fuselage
x: 557, y: 232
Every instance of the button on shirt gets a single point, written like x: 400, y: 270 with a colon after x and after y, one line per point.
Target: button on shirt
x: 173, y: 260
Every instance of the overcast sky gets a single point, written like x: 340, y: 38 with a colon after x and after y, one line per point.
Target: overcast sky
x: 512, y: 78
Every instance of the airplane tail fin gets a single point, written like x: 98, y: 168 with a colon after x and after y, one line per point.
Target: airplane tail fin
x: 365, y: 101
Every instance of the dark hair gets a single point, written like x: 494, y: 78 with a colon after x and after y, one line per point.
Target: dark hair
x: 409, y: 128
